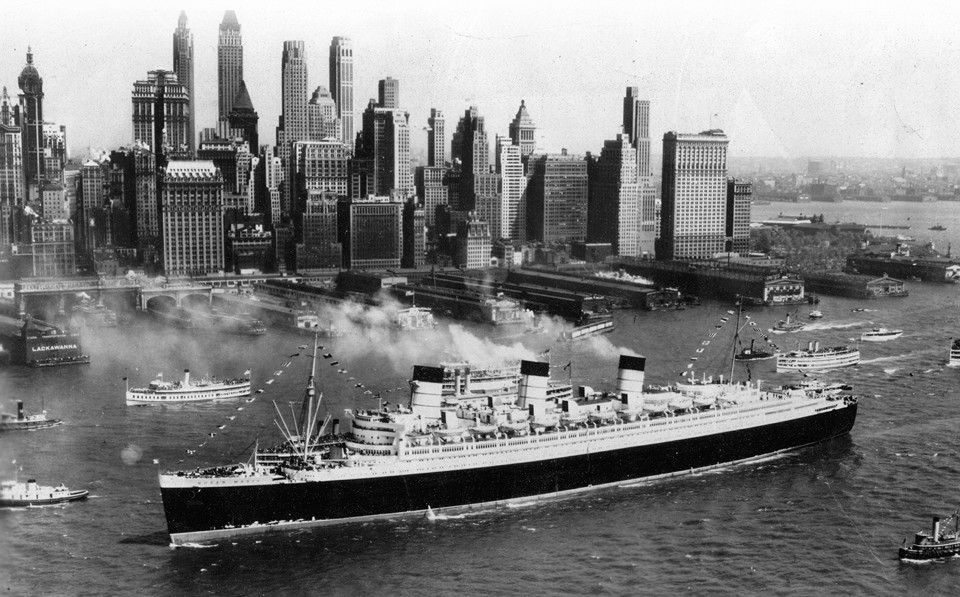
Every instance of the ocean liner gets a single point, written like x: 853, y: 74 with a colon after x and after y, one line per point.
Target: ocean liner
x: 435, y: 454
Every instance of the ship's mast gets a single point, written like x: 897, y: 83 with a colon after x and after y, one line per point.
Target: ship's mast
x: 736, y: 338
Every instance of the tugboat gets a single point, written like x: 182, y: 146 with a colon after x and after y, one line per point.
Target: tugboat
x: 785, y: 326
x: 19, y: 421
x: 816, y: 314
x: 15, y: 494
x: 936, y: 545
x: 752, y: 354
x: 938, y: 228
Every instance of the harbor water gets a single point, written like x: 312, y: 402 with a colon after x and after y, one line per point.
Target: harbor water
x: 827, y: 519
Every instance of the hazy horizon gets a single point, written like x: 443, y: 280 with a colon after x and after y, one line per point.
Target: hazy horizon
x: 784, y: 81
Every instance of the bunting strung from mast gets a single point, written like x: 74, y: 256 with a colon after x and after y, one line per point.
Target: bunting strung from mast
x: 701, y: 347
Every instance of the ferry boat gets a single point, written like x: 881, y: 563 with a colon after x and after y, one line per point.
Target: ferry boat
x: 432, y: 455
x: 415, y: 318
x: 600, y: 326
x: 937, y: 544
x: 20, y: 421
x: 880, y: 335
x: 817, y: 359
x: 785, y: 326
x: 18, y: 494
x: 954, y: 360
x: 165, y: 392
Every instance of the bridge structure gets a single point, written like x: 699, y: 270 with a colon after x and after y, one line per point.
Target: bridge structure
x: 144, y: 290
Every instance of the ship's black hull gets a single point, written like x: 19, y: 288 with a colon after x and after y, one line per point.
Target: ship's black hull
x: 192, y: 511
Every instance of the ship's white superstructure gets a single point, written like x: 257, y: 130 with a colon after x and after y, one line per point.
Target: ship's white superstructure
x: 816, y: 359
x: 880, y: 335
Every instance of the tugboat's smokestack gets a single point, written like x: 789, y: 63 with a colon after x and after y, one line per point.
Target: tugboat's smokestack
x: 936, y: 528
x: 533, y: 382
x: 426, y: 390
x: 186, y: 377
x: 630, y: 377
x: 19, y: 410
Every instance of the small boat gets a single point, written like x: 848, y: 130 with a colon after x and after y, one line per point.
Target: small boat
x: 938, y: 228
x: 816, y: 314
x: 937, y: 544
x: 20, y: 421
x: 18, y: 494
x: 785, y: 326
x: 752, y: 354
x: 858, y: 310
x: 954, y: 354
x: 880, y: 335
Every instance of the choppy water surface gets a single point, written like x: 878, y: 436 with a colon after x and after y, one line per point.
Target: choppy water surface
x: 827, y: 519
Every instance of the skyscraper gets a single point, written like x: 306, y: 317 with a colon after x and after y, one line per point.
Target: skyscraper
x: 322, y: 114
x: 183, y: 68
x: 388, y: 92
x: 557, y: 198
x: 295, y: 121
x: 694, y: 197
x: 244, y: 118
x: 192, y: 216
x: 471, y: 146
x: 636, y: 124
x: 614, y: 211
x: 320, y: 247
x: 512, y: 222
x: 371, y: 231
x: 386, y: 141
x: 523, y: 131
x: 161, y: 93
x: 11, y: 170
x: 31, y: 127
x: 341, y: 84
x: 229, y: 63
x: 436, y: 148
x: 738, y: 215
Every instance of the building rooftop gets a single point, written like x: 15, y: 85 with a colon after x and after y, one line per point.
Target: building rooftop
x: 192, y: 169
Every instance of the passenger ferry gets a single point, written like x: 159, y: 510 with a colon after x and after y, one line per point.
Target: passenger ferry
x: 415, y: 318
x: 440, y: 455
x: 880, y: 335
x: 817, y: 359
x: 600, y: 326
x: 187, y: 390
x: 954, y: 354
x: 18, y: 494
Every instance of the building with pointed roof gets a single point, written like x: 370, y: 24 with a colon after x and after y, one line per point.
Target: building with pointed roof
x: 183, y: 68
x: 30, y: 116
x: 244, y: 118
x: 523, y: 131
x: 229, y: 63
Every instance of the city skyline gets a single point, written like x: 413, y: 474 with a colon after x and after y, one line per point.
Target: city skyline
x: 782, y: 82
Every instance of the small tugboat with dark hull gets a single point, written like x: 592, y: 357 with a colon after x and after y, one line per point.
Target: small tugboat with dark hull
x: 936, y: 545
x: 752, y: 354
x: 22, y: 422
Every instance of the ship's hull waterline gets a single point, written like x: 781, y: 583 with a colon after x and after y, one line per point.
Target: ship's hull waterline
x: 201, y: 514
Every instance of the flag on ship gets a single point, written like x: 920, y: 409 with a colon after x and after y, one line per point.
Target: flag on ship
x: 567, y: 366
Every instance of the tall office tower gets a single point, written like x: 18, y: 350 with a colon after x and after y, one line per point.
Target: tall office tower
x: 192, y: 216
x: 371, y: 231
x: 414, y: 234
x: 473, y: 244
x: 320, y: 166
x: 229, y: 64
x: 53, y: 249
x: 557, y: 198
x: 614, y: 213
x: 183, y: 68
x: 320, y: 247
x: 512, y: 224
x: 388, y: 93
x: 636, y: 124
x: 432, y: 191
x: 244, y: 119
x: 471, y: 146
x: 161, y: 93
x: 737, y: 226
x: 523, y: 131
x: 341, y: 84
x: 694, y: 197
x: 295, y: 120
x: 386, y: 141
x: 436, y: 148
x: 54, y: 143
x: 269, y: 202
x: 30, y: 117
x: 322, y: 114
x: 235, y: 162
x: 11, y: 171
x: 53, y: 201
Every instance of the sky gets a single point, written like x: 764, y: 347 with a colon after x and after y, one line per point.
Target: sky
x: 827, y: 79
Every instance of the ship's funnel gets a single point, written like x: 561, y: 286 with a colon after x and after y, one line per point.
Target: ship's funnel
x: 186, y: 377
x: 533, y: 382
x: 19, y: 410
x: 426, y: 389
x: 810, y: 346
x: 936, y: 528
x: 816, y: 345
x: 630, y: 377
